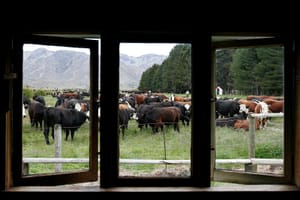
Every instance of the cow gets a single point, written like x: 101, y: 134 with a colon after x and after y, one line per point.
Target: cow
x: 139, y: 99
x: 157, y: 117
x: 39, y: 99
x: 124, y: 116
x: 36, y: 113
x: 227, y: 108
x: 244, y: 124
x: 150, y: 99
x: 275, y: 106
x: 184, y: 113
x: 249, y: 104
x: 24, y: 111
x: 70, y: 120
x: 262, y: 108
x: 143, y: 110
x: 230, y: 121
x: 26, y: 101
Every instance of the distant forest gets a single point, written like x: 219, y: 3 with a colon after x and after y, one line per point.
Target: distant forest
x: 244, y: 71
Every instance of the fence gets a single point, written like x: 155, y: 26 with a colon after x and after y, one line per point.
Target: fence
x: 251, y: 136
x: 250, y: 163
x: 246, y: 162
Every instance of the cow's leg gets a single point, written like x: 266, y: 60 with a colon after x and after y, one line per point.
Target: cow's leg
x: 72, y: 134
x: 182, y: 120
x: 161, y: 128
x: 41, y: 125
x: 123, y: 132
x: 52, y: 134
x: 176, y: 126
x: 46, y: 133
x: 67, y: 133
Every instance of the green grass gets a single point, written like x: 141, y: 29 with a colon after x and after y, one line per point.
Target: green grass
x: 233, y: 144
x: 146, y: 145
x: 230, y: 144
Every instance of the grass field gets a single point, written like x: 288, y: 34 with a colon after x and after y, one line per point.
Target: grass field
x: 230, y: 144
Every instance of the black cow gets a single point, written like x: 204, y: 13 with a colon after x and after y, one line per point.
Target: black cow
x: 150, y: 99
x: 184, y: 113
x: 227, y: 108
x: 26, y: 101
x: 124, y: 116
x: 39, y: 99
x: 36, y: 113
x: 70, y: 120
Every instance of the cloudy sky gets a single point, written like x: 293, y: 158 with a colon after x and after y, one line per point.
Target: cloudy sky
x: 130, y: 49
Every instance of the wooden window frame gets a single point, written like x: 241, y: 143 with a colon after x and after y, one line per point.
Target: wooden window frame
x: 200, y: 142
x: 252, y: 178
x: 56, y: 178
x: 201, y: 154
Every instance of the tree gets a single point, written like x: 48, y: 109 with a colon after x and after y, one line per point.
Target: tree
x: 258, y: 70
x: 173, y: 75
x: 223, y: 74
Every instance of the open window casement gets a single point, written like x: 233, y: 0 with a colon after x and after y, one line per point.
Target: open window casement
x: 34, y: 160
x: 256, y: 153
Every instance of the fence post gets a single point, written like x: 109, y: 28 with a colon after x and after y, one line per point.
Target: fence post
x: 57, y: 141
x: 25, y: 169
x: 251, y: 144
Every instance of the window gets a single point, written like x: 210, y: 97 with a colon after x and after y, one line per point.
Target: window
x: 205, y: 149
x: 110, y: 151
x: 57, y: 74
x: 156, y: 139
x: 259, y: 150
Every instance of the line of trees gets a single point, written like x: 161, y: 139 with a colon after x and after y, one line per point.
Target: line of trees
x: 173, y: 75
x: 256, y: 71
x: 251, y: 70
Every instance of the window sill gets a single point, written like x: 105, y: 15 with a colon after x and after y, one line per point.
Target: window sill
x: 93, y: 188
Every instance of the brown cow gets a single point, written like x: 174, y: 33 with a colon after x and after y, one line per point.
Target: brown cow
x: 159, y: 116
x: 139, y: 99
x: 250, y: 105
x: 244, y: 124
x: 275, y: 106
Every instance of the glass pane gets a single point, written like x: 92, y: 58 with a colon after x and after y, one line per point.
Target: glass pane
x: 155, y: 127
x: 56, y: 84
x: 249, y: 130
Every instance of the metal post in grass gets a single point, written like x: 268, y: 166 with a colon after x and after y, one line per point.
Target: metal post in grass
x: 57, y: 142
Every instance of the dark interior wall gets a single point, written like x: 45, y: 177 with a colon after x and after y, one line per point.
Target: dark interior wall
x: 4, y: 61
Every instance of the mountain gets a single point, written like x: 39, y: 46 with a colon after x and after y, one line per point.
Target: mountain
x: 61, y: 69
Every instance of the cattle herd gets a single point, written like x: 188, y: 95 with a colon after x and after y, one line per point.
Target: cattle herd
x: 234, y: 112
x: 69, y: 111
x: 154, y: 110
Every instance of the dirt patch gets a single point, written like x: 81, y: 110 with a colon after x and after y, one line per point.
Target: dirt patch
x: 176, y: 171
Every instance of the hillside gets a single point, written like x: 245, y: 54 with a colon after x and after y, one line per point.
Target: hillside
x: 69, y: 69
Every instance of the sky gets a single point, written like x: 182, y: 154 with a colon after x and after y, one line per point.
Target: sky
x: 130, y: 49
x: 32, y: 47
x: 138, y: 49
